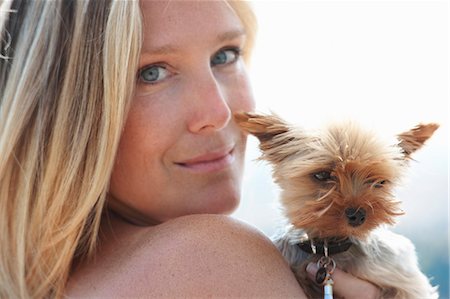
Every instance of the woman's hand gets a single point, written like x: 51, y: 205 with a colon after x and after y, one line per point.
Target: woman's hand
x: 346, y: 285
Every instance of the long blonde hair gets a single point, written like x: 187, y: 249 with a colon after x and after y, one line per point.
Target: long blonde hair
x: 65, y: 82
x: 67, y: 73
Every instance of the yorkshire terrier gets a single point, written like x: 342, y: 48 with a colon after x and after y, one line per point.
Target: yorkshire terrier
x: 337, y: 193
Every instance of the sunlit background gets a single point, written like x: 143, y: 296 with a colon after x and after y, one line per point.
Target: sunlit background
x: 382, y: 63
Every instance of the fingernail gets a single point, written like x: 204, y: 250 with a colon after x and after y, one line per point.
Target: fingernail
x: 311, y: 269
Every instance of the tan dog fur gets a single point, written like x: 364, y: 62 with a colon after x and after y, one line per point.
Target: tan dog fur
x: 356, y: 170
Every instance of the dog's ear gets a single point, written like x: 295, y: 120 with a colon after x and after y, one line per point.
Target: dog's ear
x: 273, y: 133
x: 412, y: 140
x: 263, y: 126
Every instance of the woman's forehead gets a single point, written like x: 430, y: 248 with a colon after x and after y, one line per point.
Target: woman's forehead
x: 169, y: 24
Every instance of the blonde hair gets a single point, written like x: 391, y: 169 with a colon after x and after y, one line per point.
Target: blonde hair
x: 244, y: 11
x: 65, y: 85
x: 67, y: 73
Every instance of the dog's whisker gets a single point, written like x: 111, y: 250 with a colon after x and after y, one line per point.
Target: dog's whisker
x: 326, y: 194
x: 321, y: 213
x: 371, y: 207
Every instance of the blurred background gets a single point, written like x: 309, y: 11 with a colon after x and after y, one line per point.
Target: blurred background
x: 382, y: 63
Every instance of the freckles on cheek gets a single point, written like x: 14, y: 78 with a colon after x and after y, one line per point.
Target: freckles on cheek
x: 141, y: 123
x: 153, y: 129
x: 241, y: 95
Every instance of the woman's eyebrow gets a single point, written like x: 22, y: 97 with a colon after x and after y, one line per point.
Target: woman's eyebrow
x: 230, y: 35
x: 162, y: 50
x: 172, y: 49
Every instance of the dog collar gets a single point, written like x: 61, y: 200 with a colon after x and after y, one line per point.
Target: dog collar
x: 325, y: 247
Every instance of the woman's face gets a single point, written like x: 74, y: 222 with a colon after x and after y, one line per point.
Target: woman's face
x: 181, y: 152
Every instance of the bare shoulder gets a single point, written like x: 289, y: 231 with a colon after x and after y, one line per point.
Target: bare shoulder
x: 191, y: 256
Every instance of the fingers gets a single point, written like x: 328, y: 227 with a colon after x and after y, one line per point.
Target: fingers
x: 346, y: 285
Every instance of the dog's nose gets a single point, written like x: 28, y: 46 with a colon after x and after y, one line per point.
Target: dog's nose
x: 355, y: 217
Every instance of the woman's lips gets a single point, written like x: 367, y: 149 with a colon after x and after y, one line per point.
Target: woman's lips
x: 210, y: 162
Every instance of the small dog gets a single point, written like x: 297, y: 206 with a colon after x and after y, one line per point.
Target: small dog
x: 337, y: 193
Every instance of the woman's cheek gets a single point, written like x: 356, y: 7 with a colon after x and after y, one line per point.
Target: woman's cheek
x: 239, y: 91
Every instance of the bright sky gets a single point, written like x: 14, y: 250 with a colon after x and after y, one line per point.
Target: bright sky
x: 382, y: 63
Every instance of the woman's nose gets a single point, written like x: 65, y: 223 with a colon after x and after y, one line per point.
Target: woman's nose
x: 209, y: 110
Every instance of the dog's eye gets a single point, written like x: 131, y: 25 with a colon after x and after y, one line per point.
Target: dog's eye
x: 323, y: 176
x: 380, y: 184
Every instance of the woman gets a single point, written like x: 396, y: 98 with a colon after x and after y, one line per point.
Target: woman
x: 117, y: 146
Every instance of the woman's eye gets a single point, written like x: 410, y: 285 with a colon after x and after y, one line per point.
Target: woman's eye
x: 225, y: 56
x: 153, y: 74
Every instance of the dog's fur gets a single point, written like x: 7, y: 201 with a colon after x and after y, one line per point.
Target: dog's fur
x: 323, y: 174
